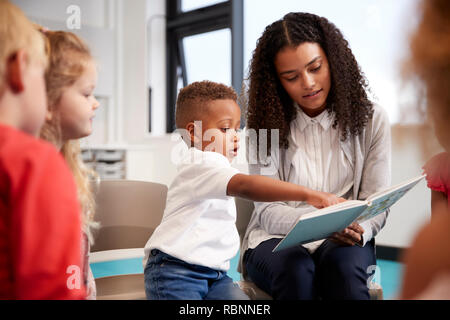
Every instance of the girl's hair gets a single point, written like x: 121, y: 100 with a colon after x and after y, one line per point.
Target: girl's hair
x: 430, y: 61
x: 269, y: 105
x: 68, y: 56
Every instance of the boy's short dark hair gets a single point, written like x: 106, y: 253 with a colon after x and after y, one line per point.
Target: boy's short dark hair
x: 193, y: 100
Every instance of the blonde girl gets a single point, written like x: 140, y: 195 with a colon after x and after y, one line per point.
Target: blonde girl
x: 70, y: 80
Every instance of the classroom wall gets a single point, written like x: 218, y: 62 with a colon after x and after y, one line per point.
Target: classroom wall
x: 156, y: 54
x: 412, y: 146
x: 94, y: 13
x: 133, y: 77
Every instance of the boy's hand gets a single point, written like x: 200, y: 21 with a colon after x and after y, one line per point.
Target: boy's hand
x: 321, y: 199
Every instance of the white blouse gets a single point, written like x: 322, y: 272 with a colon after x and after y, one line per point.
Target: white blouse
x: 319, y: 163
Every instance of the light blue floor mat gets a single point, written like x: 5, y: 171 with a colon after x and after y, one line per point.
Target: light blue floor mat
x: 389, y: 273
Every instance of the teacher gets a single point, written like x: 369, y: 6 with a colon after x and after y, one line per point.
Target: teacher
x: 305, y: 82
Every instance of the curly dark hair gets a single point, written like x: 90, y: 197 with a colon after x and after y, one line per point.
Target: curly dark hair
x: 192, y: 100
x: 269, y: 105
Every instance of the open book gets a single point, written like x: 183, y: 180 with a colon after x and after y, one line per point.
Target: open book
x: 322, y: 223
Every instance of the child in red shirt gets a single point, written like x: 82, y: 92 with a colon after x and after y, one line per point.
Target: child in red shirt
x: 39, y: 212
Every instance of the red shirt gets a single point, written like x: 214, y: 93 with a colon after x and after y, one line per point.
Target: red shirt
x: 40, y: 226
x: 438, y: 173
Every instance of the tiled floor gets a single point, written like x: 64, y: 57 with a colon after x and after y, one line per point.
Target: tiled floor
x: 389, y: 273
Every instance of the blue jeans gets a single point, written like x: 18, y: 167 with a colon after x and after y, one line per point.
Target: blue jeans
x: 331, y: 272
x: 169, y: 278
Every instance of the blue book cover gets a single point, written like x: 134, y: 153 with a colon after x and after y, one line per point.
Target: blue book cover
x: 322, y: 223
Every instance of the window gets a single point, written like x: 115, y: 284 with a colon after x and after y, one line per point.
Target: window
x: 208, y: 56
x: 188, y: 5
x: 204, y: 42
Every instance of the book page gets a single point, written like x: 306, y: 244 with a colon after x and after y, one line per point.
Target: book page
x: 380, y: 202
x: 320, y: 224
x: 381, y: 193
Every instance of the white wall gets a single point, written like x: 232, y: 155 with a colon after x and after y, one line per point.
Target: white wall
x: 98, y: 28
x: 133, y: 78
x: 156, y: 30
x: 93, y: 12
x: 412, y: 146
x: 116, y: 32
x: 95, y: 28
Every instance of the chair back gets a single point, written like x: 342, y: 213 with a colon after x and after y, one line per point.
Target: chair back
x: 244, y: 210
x: 128, y: 212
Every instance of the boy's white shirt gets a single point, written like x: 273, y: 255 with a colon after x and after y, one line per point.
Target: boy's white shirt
x: 198, y: 225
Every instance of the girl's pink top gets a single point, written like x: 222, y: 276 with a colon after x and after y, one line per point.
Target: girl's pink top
x: 437, y: 170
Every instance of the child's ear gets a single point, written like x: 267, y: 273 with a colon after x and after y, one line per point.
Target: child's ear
x: 15, y: 70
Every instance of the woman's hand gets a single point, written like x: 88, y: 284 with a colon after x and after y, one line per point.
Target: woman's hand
x: 321, y: 199
x: 349, y: 236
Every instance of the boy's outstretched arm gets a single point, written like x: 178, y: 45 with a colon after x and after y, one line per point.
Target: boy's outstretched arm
x: 264, y: 189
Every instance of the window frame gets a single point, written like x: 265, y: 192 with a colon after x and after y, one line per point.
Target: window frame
x: 229, y: 14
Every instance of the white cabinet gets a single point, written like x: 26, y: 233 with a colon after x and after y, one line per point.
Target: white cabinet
x: 150, y: 162
x: 108, y: 163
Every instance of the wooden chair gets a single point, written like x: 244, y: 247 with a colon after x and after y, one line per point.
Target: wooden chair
x: 128, y: 212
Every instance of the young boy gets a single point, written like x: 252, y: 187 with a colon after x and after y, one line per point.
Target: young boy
x: 40, y: 231
x: 190, y: 251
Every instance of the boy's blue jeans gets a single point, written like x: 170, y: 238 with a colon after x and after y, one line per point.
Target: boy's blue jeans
x: 169, y: 278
